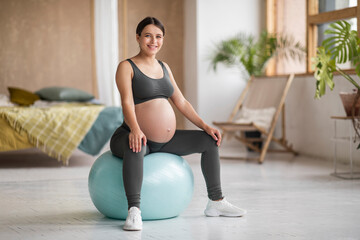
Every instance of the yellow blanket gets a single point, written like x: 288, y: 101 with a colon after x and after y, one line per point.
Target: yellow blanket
x: 56, y: 130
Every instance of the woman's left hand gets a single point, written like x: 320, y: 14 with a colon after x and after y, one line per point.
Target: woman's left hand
x: 214, y: 133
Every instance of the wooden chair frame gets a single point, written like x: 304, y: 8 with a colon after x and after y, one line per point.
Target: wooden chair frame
x: 231, y: 127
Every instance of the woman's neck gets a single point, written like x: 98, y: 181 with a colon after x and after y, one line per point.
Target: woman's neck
x: 148, y: 59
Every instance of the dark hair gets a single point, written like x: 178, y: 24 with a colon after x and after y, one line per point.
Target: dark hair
x: 147, y: 21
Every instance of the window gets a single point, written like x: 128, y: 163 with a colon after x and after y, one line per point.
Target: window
x: 306, y: 21
x: 287, y: 17
x: 320, y: 13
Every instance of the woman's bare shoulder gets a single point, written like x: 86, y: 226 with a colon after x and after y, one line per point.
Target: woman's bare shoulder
x: 167, y: 66
x: 124, y: 64
x: 124, y: 69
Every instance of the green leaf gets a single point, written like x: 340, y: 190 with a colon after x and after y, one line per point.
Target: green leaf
x: 342, y: 42
x: 254, y: 54
x: 324, y: 68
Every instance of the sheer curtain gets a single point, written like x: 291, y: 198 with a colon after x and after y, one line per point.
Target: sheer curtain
x: 107, y: 50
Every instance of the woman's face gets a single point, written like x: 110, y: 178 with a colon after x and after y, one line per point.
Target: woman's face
x: 151, y: 39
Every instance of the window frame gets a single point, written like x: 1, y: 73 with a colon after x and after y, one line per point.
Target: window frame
x: 313, y: 17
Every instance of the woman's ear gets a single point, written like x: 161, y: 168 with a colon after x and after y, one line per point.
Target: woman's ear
x: 138, y: 38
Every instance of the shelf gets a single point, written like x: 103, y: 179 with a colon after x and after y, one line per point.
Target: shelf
x: 342, y: 117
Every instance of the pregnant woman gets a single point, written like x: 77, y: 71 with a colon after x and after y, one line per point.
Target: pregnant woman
x: 145, y: 84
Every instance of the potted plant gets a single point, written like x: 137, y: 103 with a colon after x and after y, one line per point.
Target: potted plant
x: 342, y: 46
x: 252, y: 55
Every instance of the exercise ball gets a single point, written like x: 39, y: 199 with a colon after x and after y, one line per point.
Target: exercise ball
x: 167, y: 188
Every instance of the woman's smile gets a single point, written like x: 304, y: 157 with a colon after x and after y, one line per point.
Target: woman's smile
x: 152, y: 47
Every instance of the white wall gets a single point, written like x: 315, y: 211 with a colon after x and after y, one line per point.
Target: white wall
x: 190, y: 54
x: 207, y: 22
x: 309, y: 127
x: 308, y: 124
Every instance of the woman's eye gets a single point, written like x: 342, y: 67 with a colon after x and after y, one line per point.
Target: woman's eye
x: 159, y: 37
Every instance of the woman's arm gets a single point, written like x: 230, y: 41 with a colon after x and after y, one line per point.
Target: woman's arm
x: 123, y: 82
x: 189, y: 112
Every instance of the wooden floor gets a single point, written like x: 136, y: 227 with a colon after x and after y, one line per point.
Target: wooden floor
x: 286, y: 197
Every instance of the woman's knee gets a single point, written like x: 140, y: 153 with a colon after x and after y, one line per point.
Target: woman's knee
x: 118, y: 145
x: 208, y: 141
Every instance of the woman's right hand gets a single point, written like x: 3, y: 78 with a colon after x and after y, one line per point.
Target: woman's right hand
x: 136, y: 137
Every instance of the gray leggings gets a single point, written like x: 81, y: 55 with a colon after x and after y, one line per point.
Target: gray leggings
x: 184, y: 142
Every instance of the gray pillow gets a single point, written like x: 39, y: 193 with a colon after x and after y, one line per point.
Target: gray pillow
x: 64, y: 94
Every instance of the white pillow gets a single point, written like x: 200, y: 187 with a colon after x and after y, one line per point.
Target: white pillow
x: 5, y: 101
x: 261, y: 117
x: 45, y: 104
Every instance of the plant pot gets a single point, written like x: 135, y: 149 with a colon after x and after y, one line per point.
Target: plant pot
x: 348, y: 99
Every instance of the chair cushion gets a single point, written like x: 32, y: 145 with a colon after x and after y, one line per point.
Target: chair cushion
x: 261, y: 117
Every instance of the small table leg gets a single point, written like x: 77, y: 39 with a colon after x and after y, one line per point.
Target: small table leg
x: 335, y: 151
x: 350, y: 150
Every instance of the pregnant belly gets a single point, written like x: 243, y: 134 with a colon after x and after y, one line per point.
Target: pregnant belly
x: 156, y: 119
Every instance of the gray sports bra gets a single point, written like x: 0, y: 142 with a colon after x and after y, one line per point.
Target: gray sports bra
x: 145, y: 88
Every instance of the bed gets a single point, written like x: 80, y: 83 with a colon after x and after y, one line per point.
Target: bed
x: 57, y: 128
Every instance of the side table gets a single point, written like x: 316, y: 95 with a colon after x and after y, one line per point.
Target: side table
x: 345, y: 139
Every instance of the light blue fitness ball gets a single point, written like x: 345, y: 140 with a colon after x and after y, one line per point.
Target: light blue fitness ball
x: 167, y: 188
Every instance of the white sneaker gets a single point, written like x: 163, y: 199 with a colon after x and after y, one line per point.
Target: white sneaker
x: 223, y: 208
x: 133, y: 221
